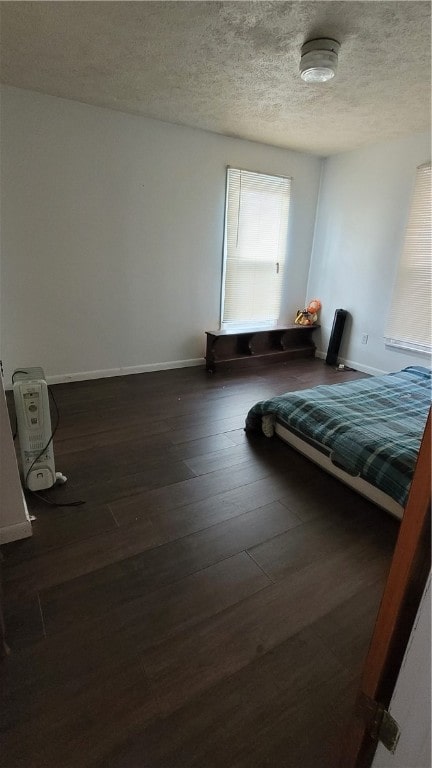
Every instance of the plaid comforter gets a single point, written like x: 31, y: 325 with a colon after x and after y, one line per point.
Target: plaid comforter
x: 371, y: 427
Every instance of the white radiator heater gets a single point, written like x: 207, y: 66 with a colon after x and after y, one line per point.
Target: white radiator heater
x: 34, y: 429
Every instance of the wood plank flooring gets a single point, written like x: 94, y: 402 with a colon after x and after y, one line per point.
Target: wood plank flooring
x: 209, y: 606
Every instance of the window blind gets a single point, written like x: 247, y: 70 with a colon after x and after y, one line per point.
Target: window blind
x: 409, y: 321
x: 255, y: 245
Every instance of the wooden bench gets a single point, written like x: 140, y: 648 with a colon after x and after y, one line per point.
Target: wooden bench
x: 258, y: 346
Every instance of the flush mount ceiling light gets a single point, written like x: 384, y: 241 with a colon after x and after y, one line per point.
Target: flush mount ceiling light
x: 319, y: 60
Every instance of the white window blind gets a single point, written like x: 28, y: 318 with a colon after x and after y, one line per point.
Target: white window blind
x: 409, y: 321
x: 255, y: 245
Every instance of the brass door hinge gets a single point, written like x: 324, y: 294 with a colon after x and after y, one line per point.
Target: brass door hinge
x: 381, y: 726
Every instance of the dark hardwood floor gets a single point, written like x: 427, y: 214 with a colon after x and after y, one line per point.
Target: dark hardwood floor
x: 211, y: 603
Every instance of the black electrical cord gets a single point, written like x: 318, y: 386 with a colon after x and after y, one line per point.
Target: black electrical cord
x: 35, y: 493
x: 49, y: 441
x: 15, y: 373
x: 55, y: 503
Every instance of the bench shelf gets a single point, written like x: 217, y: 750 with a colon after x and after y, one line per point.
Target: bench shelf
x: 258, y: 346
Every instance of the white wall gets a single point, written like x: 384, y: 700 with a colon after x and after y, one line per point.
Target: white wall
x: 112, y: 228
x: 363, y: 207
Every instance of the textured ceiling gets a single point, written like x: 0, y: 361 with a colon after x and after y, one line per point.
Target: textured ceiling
x: 231, y: 67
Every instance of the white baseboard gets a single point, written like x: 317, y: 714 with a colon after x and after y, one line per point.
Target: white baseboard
x: 353, y: 364
x: 63, y: 378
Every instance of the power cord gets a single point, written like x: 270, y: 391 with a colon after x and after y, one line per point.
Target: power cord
x: 341, y: 368
x: 49, y: 441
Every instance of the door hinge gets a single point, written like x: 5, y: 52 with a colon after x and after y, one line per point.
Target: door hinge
x: 380, y: 725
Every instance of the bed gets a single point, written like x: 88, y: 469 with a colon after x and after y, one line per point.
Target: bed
x: 365, y: 432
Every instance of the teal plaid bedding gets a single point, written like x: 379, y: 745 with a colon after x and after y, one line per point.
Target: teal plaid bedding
x: 371, y: 427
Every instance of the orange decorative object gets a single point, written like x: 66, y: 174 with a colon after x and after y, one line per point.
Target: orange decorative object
x: 314, y: 307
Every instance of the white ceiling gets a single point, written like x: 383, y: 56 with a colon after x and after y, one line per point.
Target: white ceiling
x: 231, y: 67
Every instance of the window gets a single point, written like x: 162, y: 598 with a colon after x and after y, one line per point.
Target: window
x: 255, y: 245
x: 409, y: 322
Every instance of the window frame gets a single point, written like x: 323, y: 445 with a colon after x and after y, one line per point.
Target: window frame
x: 247, y: 324
x: 398, y: 336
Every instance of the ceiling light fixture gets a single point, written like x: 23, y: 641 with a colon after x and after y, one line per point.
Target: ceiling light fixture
x: 319, y: 59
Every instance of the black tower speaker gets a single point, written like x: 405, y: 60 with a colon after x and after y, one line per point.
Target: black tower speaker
x: 336, y: 336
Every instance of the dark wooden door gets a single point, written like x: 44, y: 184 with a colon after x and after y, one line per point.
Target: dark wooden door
x: 402, y: 594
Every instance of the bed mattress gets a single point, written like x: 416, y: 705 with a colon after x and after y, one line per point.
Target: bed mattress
x: 371, y: 427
